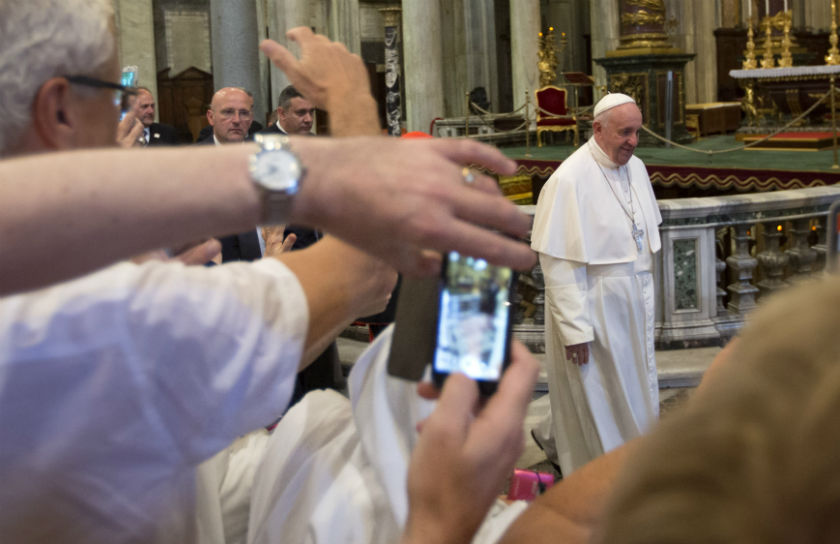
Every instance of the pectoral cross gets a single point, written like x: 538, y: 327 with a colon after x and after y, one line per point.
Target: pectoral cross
x: 637, y: 236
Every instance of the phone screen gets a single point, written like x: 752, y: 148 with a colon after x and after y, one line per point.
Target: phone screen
x: 127, y: 79
x: 474, y: 319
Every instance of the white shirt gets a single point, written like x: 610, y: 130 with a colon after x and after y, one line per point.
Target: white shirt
x: 114, y: 386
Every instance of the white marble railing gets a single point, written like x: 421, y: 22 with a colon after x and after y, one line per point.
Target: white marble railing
x: 719, y: 256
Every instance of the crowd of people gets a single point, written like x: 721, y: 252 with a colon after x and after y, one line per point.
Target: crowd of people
x: 136, y: 387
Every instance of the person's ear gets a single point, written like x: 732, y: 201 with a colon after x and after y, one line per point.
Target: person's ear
x: 210, y: 118
x: 54, y: 116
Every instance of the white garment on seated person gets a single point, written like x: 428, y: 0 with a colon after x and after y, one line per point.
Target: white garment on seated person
x: 336, y: 469
x: 114, y: 386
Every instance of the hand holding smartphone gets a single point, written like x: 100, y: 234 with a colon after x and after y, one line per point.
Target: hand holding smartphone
x: 127, y: 79
x: 474, y: 321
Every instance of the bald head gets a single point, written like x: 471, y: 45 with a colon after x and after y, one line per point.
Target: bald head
x: 230, y: 114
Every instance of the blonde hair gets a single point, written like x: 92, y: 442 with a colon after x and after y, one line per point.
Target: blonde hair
x: 754, y: 458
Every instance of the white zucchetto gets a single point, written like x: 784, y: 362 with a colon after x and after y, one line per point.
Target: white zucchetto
x: 610, y: 101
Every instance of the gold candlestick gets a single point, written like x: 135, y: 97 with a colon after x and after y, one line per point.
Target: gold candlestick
x: 833, y: 56
x: 749, y: 61
x: 768, y: 61
x: 786, y: 59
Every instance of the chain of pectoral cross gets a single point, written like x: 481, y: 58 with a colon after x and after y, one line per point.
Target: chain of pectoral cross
x: 631, y: 214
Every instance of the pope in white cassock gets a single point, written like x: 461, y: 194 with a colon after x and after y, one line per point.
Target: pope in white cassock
x: 595, y: 230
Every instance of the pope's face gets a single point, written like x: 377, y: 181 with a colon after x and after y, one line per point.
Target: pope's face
x: 618, y: 132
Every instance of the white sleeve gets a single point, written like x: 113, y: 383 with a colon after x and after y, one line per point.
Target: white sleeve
x: 565, y: 298
x: 172, y: 362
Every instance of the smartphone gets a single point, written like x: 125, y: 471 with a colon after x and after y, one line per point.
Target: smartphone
x: 127, y: 79
x: 833, y: 226
x: 474, y: 321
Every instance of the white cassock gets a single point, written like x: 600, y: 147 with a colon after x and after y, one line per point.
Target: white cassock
x: 335, y: 470
x: 599, y: 289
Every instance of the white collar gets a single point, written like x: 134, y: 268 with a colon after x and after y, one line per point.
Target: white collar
x: 599, y: 155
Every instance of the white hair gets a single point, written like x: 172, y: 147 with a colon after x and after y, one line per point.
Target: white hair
x: 41, y: 39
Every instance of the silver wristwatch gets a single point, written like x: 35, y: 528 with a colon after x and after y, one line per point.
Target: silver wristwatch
x: 278, y: 175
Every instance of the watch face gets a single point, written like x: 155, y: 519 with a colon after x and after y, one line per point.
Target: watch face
x: 276, y: 170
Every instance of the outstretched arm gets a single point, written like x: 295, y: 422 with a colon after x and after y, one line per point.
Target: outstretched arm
x: 82, y: 210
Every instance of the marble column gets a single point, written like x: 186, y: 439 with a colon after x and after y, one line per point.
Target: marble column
x: 524, y: 31
x: 234, y: 36
x: 345, y: 24
x: 421, y: 31
x: 282, y: 16
x: 698, y: 24
x: 454, y: 48
x: 480, y: 37
x: 604, y: 22
x: 136, y: 39
x: 817, y: 15
x: 469, y: 52
x: 393, y: 100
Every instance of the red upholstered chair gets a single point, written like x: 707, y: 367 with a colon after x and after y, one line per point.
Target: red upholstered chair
x: 553, y: 113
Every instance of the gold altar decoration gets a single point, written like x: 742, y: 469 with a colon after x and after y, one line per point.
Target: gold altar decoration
x: 768, y: 61
x: 547, y: 52
x: 833, y: 56
x: 643, y: 29
x: 786, y: 60
x: 749, y: 57
x: 777, y: 32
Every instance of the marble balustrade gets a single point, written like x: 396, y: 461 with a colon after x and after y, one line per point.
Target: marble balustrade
x: 720, y: 257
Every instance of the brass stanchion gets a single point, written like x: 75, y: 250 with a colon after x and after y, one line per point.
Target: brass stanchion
x: 834, y: 166
x: 467, y: 117
x: 527, y: 124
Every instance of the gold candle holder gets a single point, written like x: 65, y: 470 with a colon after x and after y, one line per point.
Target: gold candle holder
x: 833, y: 56
x: 749, y: 61
x: 768, y: 61
x: 786, y: 59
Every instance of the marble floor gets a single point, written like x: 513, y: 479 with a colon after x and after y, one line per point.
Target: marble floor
x: 679, y: 373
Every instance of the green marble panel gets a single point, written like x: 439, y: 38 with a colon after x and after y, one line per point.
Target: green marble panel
x: 685, y: 274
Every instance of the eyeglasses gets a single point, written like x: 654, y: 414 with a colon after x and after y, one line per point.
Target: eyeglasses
x: 119, y: 90
x: 228, y: 113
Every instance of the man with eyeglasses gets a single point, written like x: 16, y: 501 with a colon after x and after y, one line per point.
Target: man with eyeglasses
x: 230, y: 114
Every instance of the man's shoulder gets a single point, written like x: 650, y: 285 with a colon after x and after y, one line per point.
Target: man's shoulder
x: 571, y: 170
x: 163, y: 133
x: 271, y: 129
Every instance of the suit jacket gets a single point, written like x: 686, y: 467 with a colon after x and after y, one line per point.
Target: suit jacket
x: 272, y: 129
x: 325, y: 371
x: 244, y: 246
x: 160, y: 134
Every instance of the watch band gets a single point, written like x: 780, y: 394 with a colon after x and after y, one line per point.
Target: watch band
x: 276, y: 202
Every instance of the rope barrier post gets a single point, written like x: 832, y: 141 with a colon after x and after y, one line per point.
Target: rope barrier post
x: 527, y: 124
x: 834, y: 166
x: 467, y: 118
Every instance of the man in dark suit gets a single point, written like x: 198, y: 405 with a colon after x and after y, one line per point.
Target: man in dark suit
x: 295, y: 114
x: 153, y: 133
